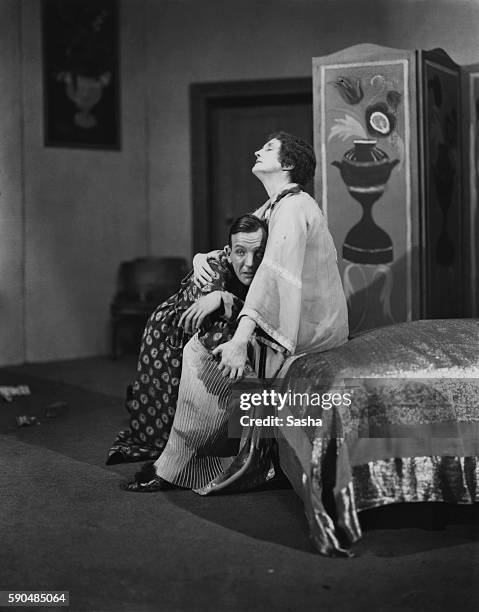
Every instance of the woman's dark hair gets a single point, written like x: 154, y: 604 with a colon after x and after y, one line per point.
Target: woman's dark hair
x: 248, y: 224
x: 297, y: 153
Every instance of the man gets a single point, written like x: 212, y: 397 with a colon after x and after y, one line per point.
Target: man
x: 152, y: 397
x: 247, y: 241
x: 296, y: 299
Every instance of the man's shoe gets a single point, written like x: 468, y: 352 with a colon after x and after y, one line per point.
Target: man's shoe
x: 155, y: 484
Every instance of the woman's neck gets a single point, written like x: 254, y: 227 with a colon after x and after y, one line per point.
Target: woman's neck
x: 275, y: 184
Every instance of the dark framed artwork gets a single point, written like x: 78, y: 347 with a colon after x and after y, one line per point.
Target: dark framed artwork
x: 81, y: 73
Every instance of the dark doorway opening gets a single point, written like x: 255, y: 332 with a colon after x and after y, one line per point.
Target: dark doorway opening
x: 229, y: 122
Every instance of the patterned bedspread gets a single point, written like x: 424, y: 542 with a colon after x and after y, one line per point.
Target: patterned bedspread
x: 410, y: 431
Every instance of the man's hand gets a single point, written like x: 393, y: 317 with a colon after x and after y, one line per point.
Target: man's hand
x: 194, y: 316
x: 233, y: 358
x: 202, y: 271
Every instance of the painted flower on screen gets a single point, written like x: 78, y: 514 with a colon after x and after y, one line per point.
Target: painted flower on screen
x: 376, y: 101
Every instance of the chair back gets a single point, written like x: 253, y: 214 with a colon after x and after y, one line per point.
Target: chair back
x: 149, y: 279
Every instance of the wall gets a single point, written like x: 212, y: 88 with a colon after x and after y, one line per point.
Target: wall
x: 11, y: 187
x: 85, y: 210
x: 216, y: 40
x: 69, y: 216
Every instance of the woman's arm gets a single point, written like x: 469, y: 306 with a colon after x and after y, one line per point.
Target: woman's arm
x: 212, y: 299
x: 202, y: 270
x: 234, y: 353
x: 274, y: 297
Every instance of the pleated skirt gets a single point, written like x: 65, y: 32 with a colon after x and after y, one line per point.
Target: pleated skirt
x: 200, y: 428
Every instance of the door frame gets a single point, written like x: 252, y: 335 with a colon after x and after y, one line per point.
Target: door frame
x: 204, y: 97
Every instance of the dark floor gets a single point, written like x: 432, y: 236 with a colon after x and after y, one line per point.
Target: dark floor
x: 100, y: 374
x: 66, y: 524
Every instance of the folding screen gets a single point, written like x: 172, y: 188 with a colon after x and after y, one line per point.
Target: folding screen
x: 388, y: 141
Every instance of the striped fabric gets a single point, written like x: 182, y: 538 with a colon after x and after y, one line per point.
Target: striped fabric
x: 200, y: 424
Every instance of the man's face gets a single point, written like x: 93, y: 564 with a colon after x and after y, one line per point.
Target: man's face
x: 267, y: 158
x: 246, y: 253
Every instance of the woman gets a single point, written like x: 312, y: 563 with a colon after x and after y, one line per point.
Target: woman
x: 151, y: 400
x: 296, y: 300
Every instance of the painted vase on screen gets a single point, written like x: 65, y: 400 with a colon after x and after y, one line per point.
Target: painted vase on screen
x: 365, y: 169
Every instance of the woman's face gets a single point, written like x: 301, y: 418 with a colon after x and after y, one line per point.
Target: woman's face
x: 267, y: 158
x: 246, y: 253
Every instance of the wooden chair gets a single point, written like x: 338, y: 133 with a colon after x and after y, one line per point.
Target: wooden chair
x: 143, y: 284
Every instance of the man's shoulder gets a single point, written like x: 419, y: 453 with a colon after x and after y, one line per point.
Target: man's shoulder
x: 220, y: 264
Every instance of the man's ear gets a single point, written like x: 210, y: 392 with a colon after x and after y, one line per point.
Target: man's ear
x: 228, y: 252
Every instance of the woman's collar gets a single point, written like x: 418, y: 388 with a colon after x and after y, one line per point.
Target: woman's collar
x: 289, y: 187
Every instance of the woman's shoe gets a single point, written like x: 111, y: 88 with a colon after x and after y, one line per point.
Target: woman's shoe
x: 155, y: 484
x: 147, y: 472
x: 147, y: 481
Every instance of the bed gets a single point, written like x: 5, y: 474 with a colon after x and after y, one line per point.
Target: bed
x: 410, y: 433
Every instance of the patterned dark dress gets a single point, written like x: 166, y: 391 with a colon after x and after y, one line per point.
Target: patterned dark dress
x: 151, y: 399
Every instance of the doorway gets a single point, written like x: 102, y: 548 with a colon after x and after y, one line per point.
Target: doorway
x: 229, y: 122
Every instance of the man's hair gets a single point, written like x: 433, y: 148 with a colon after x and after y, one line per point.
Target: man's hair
x: 297, y: 153
x: 248, y: 224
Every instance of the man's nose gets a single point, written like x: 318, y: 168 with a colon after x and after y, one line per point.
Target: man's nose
x: 249, y: 260
x: 256, y: 153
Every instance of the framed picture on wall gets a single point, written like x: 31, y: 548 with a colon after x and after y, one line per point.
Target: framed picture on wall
x: 81, y: 73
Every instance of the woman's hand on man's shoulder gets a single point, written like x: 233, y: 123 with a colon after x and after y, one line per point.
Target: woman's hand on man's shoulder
x: 202, y: 271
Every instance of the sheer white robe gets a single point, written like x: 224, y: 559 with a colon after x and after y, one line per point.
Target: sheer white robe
x: 296, y: 296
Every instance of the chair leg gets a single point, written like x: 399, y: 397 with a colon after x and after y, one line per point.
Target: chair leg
x: 116, y: 340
